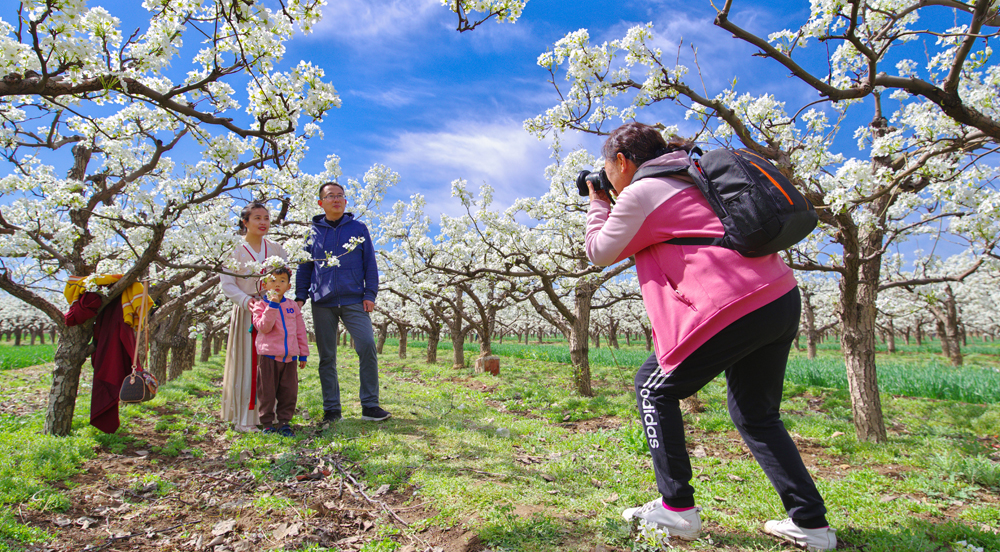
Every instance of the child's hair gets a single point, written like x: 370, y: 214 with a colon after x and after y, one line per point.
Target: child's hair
x: 281, y: 270
x: 245, y: 215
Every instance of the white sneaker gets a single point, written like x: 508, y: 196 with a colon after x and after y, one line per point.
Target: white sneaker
x: 684, y: 525
x: 245, y: 428
x: 823, y: 538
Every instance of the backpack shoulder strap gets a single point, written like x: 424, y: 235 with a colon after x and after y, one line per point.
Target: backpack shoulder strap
x: 658, y: 172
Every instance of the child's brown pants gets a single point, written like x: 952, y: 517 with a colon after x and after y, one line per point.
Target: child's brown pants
x: 277, y: 390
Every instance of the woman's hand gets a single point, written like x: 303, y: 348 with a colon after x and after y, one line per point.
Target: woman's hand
x: 597, y: 194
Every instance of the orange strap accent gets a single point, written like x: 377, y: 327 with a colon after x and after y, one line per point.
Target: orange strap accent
x: 773, y: 181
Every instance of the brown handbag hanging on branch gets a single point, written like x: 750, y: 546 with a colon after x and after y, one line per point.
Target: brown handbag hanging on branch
x: 140, y: 385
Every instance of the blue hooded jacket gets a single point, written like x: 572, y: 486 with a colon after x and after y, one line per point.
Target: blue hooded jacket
x: 353, y: 281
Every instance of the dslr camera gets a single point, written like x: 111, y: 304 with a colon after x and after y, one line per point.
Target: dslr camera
x: 599, y: 179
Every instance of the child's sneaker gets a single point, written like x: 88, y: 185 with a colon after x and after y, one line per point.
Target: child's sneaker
x: 823, y: 538
x: 684, y: 525
x: 270, y: 429
x: 286, y: 431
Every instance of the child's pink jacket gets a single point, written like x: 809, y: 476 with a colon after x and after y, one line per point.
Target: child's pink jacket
x: 281, y: 332
x: 691, y: 292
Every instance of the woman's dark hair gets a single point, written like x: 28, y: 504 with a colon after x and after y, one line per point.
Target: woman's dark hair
x: 319, y: 194
x: 640, y: 143
x: 245, y: 215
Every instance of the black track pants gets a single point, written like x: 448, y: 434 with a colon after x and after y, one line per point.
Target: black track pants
x: 753, y: 352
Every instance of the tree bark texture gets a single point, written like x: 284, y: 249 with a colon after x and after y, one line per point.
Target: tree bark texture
x: 403, y: 329
x: 75, y: 345
x: 206, y: 348
x: 458, y: 344
x: 946, y: 313
x: 383, y: 333
x: 858, y: 293
x: 433, y: 338
x: 579, y: 349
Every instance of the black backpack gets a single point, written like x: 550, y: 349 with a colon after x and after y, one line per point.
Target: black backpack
x: 760, y: 209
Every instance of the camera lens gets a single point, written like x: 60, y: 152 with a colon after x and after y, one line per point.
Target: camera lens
x: 581, y: 183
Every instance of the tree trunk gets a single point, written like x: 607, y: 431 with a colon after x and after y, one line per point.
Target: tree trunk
x: 579, y: 349
x: 809, y: 316
x: 182, y: 348
x: 219, y: 343
x: 75, y: 345
x: 890, y: 333
x: 945, y: 345
x: 158, y: 353
x: 383, y: 333
x: 858, y: 293
x: 920, y: 334
x: 41, y: 337
x: 946, y: 313
x: 403, y: 329
x: 206, y: 348
x: 458, y: 344
x: 181, y: 356
x: 33, y: 336
x: 433, y: 338
x: 648, y: 333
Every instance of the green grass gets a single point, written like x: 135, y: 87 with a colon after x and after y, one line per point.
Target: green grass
x: 931, y: 380
x: 527, y: 464
x: 925, y: 376
x: 22, y: 356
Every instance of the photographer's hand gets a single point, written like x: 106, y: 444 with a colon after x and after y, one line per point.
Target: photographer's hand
x: 597, y: 194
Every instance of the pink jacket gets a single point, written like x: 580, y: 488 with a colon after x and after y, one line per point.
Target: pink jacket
x: 691, y: 292
x: 281, y: 332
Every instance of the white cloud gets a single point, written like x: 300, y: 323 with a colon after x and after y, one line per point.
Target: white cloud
x: 498, y: 153
x: 352, y: 20
x: 394, y: 97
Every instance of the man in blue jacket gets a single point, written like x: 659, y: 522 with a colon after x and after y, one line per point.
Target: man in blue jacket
x: 345, y: 291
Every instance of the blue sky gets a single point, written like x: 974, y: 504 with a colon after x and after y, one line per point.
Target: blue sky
x: 435, y: 105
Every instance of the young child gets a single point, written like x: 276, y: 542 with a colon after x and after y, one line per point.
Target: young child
x: 281, y: 342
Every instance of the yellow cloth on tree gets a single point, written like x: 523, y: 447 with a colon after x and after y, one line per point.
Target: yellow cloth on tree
x: 135, y: 300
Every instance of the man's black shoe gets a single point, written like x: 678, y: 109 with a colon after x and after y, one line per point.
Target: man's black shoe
x: 331, y: 416
x: 374, y: 414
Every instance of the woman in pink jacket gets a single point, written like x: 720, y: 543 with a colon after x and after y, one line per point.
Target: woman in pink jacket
x: 712, y: 311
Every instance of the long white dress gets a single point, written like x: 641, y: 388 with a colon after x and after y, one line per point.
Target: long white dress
x: 239, y: 375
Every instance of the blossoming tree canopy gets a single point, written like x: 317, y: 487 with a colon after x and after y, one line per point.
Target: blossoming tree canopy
x: 923, y: 120
x: 126, y: 148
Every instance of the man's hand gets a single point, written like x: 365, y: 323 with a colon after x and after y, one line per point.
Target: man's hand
x: 368, y: 305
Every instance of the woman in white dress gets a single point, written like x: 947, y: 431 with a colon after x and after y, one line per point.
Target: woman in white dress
x: 239, y: 380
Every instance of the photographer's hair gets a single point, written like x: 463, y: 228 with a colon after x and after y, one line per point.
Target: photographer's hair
x: 281, y: 270
x: 319, y: 194
x: 640, y: 143
x: 245, y: 215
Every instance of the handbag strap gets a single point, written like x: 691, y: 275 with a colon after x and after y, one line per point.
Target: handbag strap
x: 142, y: 334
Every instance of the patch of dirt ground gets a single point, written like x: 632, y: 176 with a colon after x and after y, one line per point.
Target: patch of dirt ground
x: 143, y: 500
